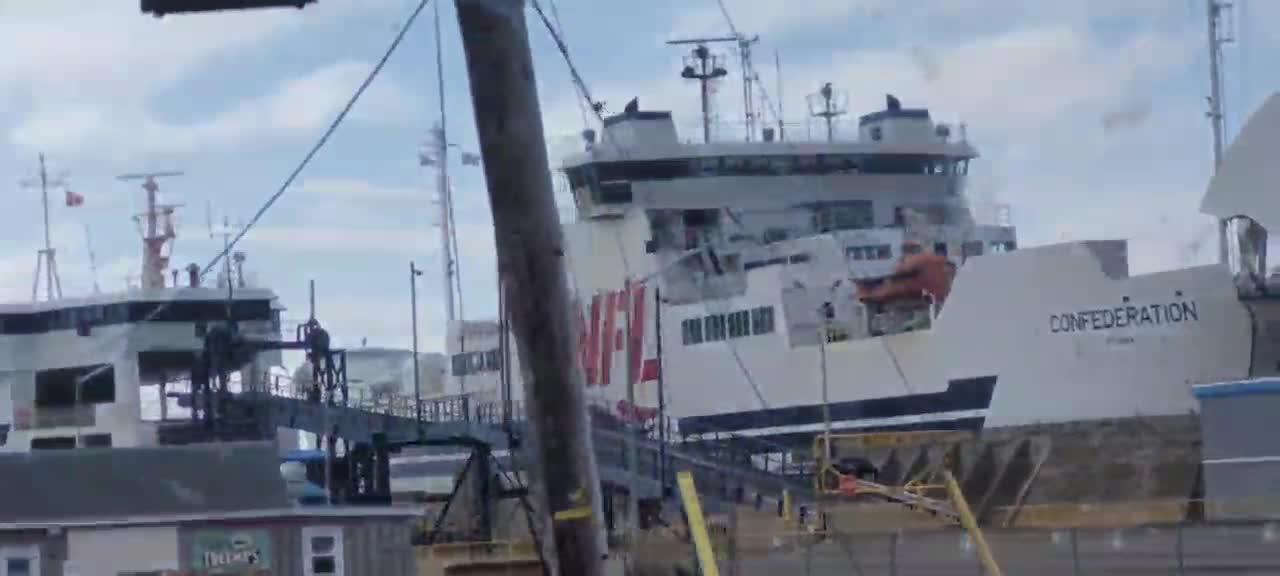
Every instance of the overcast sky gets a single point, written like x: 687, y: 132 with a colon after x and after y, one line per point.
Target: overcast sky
x: 1089, y: 116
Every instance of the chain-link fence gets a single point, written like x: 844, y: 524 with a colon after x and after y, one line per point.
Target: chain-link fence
x: 1184, y: 549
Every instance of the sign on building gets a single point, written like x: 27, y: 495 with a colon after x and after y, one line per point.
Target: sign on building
x: 231, y: 551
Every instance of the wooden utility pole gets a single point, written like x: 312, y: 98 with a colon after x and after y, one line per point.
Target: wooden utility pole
x: 531, y: 262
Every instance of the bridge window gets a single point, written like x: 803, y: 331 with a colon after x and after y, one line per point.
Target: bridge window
x: 739, y: 324
x: 57, y: 388
x: 851, y: 215
x: 467, y: 363
x: 873, y: 252
x: 691, y: 331
x: 714, y: 327
x: 614, y: 193
x: 762, y: 320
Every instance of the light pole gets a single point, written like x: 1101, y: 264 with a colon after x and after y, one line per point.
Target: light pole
x: 414, y: 272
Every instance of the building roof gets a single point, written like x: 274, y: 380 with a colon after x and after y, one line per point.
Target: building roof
x: 296, y: 512
x: 52, y: 486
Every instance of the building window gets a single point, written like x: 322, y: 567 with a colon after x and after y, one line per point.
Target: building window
x: 322, y: 551
x: 459, y: 362
x: 739, y: 324
x: 19, y: 560
x: 762, y: 320
x: 714, y: 327
x: 17, y: 567
x: 691, y: 331
x: 969, y: 249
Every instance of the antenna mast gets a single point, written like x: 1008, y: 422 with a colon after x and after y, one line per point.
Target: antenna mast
x: 156, y: 225
x: 703, y: 66
x: 1217, y: 118
x: 748, y: 103
x: 46, y: 257
x: 93, y: 259
x: 827, y: 104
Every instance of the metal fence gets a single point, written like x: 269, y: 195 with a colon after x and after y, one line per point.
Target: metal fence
x: 1185, y: 549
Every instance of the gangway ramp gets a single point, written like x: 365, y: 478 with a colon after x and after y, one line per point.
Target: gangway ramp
x: 455, y: 422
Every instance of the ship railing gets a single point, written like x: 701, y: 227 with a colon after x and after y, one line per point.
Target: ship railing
x: 63, y: 417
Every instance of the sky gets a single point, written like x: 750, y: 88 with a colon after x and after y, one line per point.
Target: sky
x: 1089, y: 116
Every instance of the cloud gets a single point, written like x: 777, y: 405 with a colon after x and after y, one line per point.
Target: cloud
x: 90, y: 73
x: 768, y: 17
x: 355, y: 189
x: 299, y: 106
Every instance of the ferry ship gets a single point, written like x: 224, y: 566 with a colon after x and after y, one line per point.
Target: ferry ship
x: 99, y: 370
x: 759, y: 263
x: 772, y: 291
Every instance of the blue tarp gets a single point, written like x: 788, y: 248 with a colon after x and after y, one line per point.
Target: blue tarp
x: 1241, y: 388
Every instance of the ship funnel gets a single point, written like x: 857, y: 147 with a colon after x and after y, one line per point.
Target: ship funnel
x: 193, y: 275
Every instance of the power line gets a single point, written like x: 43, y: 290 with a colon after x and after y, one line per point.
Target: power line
x: 585, y: 94
x: 324, y: 138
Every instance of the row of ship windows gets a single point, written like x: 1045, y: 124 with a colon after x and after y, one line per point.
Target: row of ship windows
x: 132, y: 312
x: 739, y: 324
x: 884, y: 251
x: 667, y: 169
x: 468, y: 363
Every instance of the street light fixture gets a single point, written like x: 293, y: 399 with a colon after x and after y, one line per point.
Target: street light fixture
x: 414, y: 272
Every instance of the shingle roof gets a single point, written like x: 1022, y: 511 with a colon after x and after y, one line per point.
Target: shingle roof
x: 119, y: 482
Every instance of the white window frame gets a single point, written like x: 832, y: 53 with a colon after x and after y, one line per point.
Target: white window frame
x: 309, y: 532
x: 30, y: 552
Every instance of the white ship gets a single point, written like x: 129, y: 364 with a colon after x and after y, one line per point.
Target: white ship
x: 855, y: 275
x: 93, y: 371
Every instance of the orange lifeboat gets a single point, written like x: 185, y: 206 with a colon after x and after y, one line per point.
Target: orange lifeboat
x: 918, y: 275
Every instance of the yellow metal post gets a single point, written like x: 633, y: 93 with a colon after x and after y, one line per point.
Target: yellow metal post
x: 970, y: 523
x: 786, y: 506
x: 697, y: 524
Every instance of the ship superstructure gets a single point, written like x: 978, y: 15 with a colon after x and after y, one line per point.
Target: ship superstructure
x: 94, y: 371
x: 796, y: 283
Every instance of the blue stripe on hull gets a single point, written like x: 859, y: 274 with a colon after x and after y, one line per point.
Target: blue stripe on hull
x: 960, y: 395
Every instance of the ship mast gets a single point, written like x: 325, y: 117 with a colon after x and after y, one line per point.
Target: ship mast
x: 45, y: 257
x: 827, y: 104
x: 703, y: 66
x: 1216, y: 117
x: 156, y: 225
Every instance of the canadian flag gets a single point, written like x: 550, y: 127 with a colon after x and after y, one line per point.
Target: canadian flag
x: 74, y: 199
